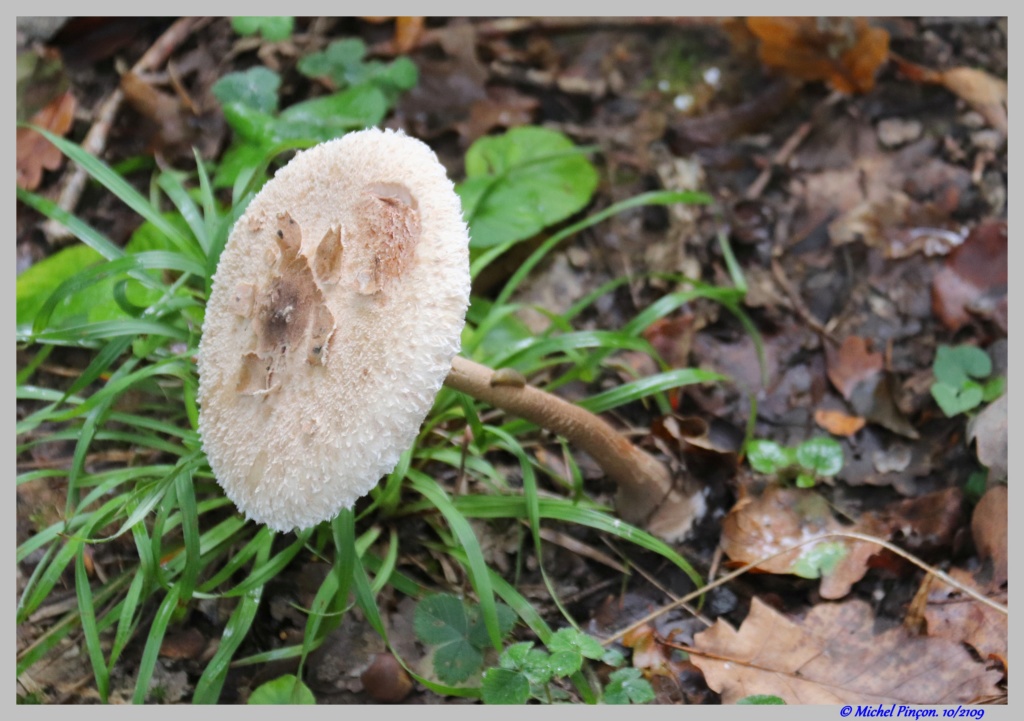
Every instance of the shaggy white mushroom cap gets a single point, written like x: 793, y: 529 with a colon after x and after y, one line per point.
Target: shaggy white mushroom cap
x: 335, y: 312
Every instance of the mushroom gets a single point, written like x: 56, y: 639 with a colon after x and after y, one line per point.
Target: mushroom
x: 335, y: 316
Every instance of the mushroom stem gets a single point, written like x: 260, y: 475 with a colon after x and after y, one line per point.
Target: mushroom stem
x: 647, y: 495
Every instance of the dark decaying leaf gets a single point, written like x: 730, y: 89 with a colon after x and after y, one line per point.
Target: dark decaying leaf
x: 974, y: 278
x: 952, y: 615
x: 833, y: 656
x: 989, y: 526
x: 850, y: 364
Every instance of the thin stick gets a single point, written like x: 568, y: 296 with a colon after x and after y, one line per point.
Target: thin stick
x: 836, y: 534
x: 96, y: 139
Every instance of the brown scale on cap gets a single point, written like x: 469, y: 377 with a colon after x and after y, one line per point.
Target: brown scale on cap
x: 288, y: 312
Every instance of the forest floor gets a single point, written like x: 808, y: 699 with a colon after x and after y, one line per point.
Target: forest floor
x: 864, y: 195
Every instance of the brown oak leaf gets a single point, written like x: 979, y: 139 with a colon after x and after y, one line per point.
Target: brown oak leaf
x: 833, y: 655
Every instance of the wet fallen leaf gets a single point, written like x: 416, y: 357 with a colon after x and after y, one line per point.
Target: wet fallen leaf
x: 34, y: 152
x: 172, y: 133
x: 974, y: 275
x: 783, y: 517
x: 851, y: 364
x: 838, y: 423
x: 952, y: 615
x: 834, y: 656
x: 989, y: 528
x: 988, y: 430
x: 926, y: 524
x: 845, y: 52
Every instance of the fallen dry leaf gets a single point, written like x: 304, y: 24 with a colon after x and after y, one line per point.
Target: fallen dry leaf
x: 974, y: 276
x: 408, y: 31
x: 34, y: 152
x: 874, y: 400
x: 834, y: 656
x: 649, y: 653
x: 989, y: 432
x: 989, y: 528
x: 838, y: 423
x: 845, y: 52
x: 985, y: 93
x: 952, y: 615
x: 851, y: 364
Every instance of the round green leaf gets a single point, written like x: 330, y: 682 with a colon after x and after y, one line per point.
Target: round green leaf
x: 823, y: 456
x: 761, y: 699
x: 521, y: 182
x: 768, y: 456
x: 285, y: 690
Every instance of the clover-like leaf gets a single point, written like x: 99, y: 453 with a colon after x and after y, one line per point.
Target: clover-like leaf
x: 256, y: 89
x: 820, y: 560
x: 954, y: 400
x: 627, y: 685
x: 504, y: 686
x: 768, y: 456
x: 823, y: 456
x: 274, y: 28
x: 954, y: 365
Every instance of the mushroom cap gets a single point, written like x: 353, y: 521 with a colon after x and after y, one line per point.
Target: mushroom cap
x: 335, y: 312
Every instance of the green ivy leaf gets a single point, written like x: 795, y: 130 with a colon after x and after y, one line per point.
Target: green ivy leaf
x: 823, y: 456
x: 819, y: 560
x: 628, y: 685
x: 953, y: 365
x: 273, y: 28
x: 503, y: 686
x: 768, y: 457
x: 761, y: 699
x: 285, y: 690
x: 521, y: 182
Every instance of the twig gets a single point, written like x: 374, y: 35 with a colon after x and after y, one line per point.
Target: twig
x: 789, y: 147
x: 96, y: 139
x: 797, y: 302
x: 945, y: 578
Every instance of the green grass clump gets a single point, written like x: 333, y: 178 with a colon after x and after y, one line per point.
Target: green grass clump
x: 138, y: 311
